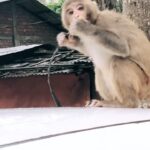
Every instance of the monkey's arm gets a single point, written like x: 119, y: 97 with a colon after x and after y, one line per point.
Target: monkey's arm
x: 112, y: 41
x: 66, y: 40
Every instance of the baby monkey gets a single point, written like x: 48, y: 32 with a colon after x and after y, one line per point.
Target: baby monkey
x: 119, y: 49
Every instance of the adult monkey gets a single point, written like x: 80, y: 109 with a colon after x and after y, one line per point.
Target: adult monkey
x: 119, y: 49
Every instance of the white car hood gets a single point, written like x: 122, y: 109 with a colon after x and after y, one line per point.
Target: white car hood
x: 82, y: 128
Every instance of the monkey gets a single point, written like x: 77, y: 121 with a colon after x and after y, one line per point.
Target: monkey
x: 120, y: 52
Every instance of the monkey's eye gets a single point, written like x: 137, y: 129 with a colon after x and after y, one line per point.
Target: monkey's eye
x: 70, y: 12
x: 80, y: 7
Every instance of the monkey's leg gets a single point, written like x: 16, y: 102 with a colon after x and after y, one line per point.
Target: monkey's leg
x: 131, y: 82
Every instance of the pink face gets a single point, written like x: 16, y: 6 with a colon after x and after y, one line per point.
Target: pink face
x: 76, y: 11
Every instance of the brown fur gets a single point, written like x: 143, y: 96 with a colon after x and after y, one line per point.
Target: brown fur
x: 120, y: 52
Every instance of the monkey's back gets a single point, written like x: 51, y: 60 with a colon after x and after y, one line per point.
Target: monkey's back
x: 131, y: 74
x: 137, y: 41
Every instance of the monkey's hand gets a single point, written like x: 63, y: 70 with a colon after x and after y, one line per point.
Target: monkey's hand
x: 67, y: 40
x: 62, y: 38
x: 78, y: 26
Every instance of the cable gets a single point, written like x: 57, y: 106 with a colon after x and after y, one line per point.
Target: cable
x: 26, y: 24
x: 53, y: 95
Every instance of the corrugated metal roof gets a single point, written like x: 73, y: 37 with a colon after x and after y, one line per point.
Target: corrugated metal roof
x: 34, y: 60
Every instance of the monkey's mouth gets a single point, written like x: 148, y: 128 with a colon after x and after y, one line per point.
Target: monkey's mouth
x: 90, y: 19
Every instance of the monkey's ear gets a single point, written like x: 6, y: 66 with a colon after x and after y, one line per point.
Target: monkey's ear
x: 94, y: 3
x: 89, y: 1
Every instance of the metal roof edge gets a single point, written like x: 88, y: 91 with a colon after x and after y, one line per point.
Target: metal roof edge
x: 12, y: 50
x: 1, y: 1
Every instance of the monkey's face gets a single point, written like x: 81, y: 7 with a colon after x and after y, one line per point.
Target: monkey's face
x: 78, y: 10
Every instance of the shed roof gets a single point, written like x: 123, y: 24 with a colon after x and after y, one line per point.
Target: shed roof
x: 34, y: 60
x: 40, y: 10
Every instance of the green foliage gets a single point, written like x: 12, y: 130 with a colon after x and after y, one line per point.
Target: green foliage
x: 119, y: 6
x: 56, y: 7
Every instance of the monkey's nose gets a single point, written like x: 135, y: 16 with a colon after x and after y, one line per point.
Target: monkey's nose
x: 77, y: 16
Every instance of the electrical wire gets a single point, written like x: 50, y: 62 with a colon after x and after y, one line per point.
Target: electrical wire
x: 26, y: 24
x: 53, y: 95
x: 52, y: 60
